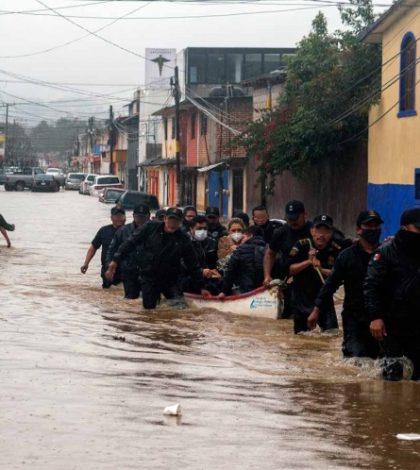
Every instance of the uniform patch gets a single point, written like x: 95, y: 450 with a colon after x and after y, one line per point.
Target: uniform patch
x: 294, y: 251
x: 377, y: 257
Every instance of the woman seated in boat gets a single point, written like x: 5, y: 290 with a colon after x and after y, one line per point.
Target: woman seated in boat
x: 205, y: 249
x: 228, y: 244
x: 245, y: 266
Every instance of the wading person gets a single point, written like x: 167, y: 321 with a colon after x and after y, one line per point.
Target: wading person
x: 245, y: 267
x: 310, y: 263
x: 262, y: 220
x: 205, y: 249
x: 277, y: 254
x: 129, y: 268
x: 392, y: 296
x: 163, y: 245
x: 350, y: 268
x: 103, y: 239
x: 4, y: 227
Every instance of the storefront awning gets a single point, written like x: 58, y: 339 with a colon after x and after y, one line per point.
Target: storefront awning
x: 210, y: 167
x: 158, y: 162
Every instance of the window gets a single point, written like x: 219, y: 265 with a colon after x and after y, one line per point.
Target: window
x: 408, y: 76
x: 193, y: 120
x: 253, y: 65
x: 173, y: 128
x: 271, y: 62
x: 234, y: 68
x: 417, y: 185
x: 216, y: 68
x: 197, y: 67
x: 203, y: 124
x: 165, y: 128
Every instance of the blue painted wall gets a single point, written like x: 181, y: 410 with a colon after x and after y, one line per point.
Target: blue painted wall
x: 390, y: 200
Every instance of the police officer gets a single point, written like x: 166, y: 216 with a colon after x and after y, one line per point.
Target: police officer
x: 216, y: 229
x: 310, y: 263
x: 163, y: 245
x: 130, y: 265
x: 392, y: 295
x: 350, y: 268
x: 103, y: 239
x: 205, y: 249
x: 262, y: 220
x: 297, y: 227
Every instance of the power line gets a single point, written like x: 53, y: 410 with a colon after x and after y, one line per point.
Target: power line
x: 77, y: 39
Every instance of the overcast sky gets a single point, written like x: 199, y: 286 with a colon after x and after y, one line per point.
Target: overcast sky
x: 26, y: 37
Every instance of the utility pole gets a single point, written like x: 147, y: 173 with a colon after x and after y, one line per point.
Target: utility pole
x: 111, y: 140
x: 6, y: 131
x: 177, y: 95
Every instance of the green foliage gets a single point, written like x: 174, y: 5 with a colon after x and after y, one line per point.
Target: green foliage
x: 323, y: 111
x: 56, y: 138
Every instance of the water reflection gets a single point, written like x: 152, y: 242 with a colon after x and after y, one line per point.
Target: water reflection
x: 86, y: 375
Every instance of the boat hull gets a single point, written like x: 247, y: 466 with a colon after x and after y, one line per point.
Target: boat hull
x: 262, y: 303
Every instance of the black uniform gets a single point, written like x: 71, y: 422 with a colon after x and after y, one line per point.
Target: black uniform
x: 307, y: 284
x: 282, y: 242
x: 6, y: 225
x: 206, y: 253
x: 217, y: 231
x: 350, y: 267
x: 245, y: 266
x: 129, y: 267
x: 103, y: 239
x: 160, y: 263
x: 392, y: 293
x: 269, y: 228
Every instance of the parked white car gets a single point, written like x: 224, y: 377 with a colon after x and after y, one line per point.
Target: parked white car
x: 102, y: 182
x: 58, y: 175
x: 88, y: 181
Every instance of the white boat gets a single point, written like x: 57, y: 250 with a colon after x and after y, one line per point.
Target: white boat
x: 264, y: 302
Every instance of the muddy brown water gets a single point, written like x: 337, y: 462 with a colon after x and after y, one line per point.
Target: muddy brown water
x: 85, y: 375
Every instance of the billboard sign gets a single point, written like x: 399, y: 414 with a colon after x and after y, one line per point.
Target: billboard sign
x: 160, y: 64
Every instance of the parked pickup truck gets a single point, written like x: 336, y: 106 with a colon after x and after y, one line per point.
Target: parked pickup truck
x: 21, y: 179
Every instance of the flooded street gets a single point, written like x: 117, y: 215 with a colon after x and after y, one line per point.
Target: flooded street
x: 85, y: 375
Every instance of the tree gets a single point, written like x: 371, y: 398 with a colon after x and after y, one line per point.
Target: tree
x: 57, y: 138
x: 331, y: 82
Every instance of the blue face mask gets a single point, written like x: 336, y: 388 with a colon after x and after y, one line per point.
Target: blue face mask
x: 200, y: 235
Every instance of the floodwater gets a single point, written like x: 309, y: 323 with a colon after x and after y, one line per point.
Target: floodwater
x: 85, y: 375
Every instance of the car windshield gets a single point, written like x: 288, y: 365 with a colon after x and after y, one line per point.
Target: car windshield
x: 108, y: 180
x: 91, y: 178
x: 76, y: 176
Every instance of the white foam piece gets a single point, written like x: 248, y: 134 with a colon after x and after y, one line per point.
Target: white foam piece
x: 172, y: 410
x: 410, y: 436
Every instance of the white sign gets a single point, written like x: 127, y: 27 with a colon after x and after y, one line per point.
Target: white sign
x: 160, y: 64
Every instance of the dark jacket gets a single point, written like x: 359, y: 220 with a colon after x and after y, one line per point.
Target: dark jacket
x: 206, y: 252
x: 131, y: 262
x: 161, y: 253
x: 269, y: 228
x: 350, y: 268
x: 217, y: 231
x: 245, y: 266
x: 392, y: 287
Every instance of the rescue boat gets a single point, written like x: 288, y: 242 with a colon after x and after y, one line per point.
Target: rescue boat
x: 264, y: 302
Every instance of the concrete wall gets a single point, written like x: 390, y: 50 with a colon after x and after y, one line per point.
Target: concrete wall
x: 336, y: 188
x: 394, y: 142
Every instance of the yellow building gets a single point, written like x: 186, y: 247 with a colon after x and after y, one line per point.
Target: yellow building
x: 394, y: 132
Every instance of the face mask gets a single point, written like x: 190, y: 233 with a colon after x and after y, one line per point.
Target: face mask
x: 371, y: 235
x: 200, y: 235
x: 236, y: 236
